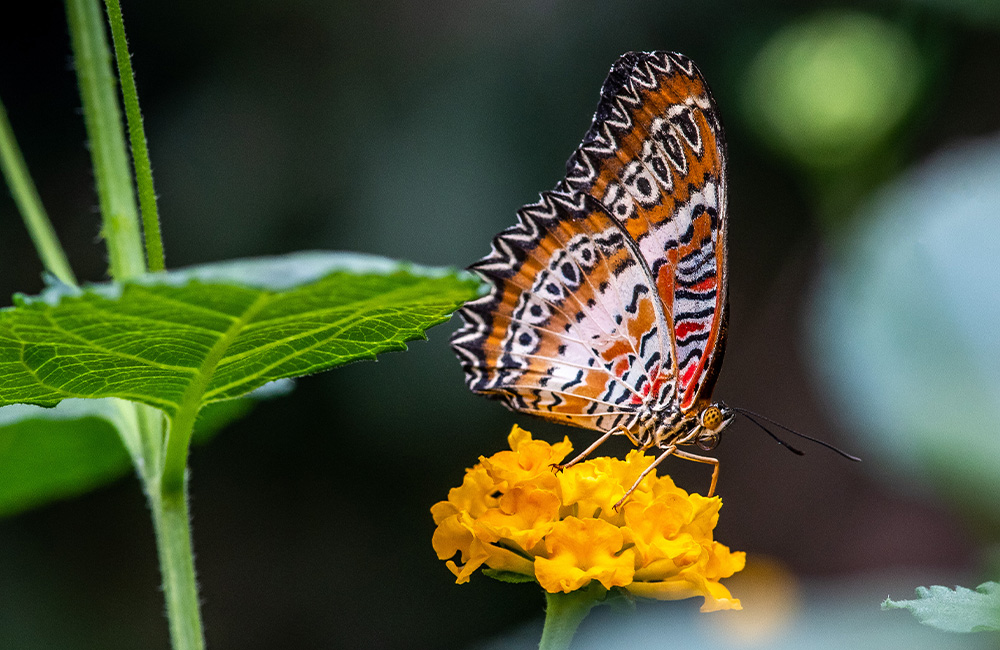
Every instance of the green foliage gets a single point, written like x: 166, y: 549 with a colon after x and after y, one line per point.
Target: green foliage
x: 958, y: 610
x: 182, y: 340
x: 49, y: 454
x: 148, y: 352
x: 188, y: 338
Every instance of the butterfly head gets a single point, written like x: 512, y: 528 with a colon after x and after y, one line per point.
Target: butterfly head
x: 711, y: 421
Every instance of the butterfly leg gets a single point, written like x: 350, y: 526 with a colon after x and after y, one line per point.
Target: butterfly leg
x: 586, y: 452
x: 659, y: 459
x: 703, y: 459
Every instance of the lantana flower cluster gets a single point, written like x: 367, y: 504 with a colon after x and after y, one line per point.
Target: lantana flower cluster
x: 514, y: 513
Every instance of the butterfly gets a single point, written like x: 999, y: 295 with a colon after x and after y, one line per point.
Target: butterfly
x: 607, y: 307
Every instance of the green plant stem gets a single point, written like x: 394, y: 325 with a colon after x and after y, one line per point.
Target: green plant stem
x: 166, y: 492
x: 175, y: 451
x: 119, y: 214
x: 173, y: 536
x: 563, y: 615
x: 137, y: 138
x: 26, y: 196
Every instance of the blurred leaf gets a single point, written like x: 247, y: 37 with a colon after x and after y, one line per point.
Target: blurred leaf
x: 47, y: 454
x: 904, y: 324
x: 828, y: 89
x: 55, y: 453
x: 961, y: 610
x: 219, y: 331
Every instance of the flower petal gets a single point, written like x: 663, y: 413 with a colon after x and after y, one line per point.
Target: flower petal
x: 581, y: 550
x: 529, y: 461
x: 716, y: 596
x: 475, y: 493
x: 452, y: 536
x: 524, y: 515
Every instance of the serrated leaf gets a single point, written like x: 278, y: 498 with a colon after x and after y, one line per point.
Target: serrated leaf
x: 183, y: 340
x: 61, y: 452
x: 958, y: 610
x: 216, y: 332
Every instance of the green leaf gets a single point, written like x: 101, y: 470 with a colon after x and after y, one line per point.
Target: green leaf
x: 62, y: 452
x: 211, y: 333
x: 47, y: 454
x: 188, y: 342
x: 507, y: 576
x: 958, y: 610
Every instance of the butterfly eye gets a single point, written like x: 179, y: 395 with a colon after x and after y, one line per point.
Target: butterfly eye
x: 711, y: 418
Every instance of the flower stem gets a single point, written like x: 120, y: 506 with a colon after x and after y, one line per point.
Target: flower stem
x: 173, y: 536
x: 26, y: 196
x: 564, y: 613
x: 137, y: 138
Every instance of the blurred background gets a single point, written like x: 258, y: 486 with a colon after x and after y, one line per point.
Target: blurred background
x: 864, y: 144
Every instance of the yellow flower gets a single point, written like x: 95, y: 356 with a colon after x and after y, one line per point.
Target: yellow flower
x: 514, y: 513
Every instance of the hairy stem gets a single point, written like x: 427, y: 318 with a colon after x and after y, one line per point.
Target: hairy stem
x: 119, y: 215
x: 137, y: 138
x: 173, y: 536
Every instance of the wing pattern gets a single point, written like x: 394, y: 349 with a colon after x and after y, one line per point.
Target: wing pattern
x: 608, y: 295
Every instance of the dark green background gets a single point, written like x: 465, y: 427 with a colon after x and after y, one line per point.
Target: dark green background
x: 415, y: 130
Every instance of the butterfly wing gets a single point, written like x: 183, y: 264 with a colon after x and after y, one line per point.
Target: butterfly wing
x: 571, y: 330
x: 655, y: 156
x: 609, y: 293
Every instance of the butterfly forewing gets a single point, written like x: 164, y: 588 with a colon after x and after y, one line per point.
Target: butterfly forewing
x: 609, y: 294
x: 655, y: 156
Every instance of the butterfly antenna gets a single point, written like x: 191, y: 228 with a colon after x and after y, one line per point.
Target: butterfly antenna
x: 750, y: 415
x: 781, y: 442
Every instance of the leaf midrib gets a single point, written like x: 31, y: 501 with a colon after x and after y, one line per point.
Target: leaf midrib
x: 352, y: 319
x: 194, y: 393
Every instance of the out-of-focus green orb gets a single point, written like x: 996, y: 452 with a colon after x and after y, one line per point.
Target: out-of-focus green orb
x: 828, y: 89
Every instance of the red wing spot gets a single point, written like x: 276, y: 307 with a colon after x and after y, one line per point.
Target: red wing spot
x: 686, y: 328
x: 686, y: 377
x: 704, y: 285
x: 688, y: 398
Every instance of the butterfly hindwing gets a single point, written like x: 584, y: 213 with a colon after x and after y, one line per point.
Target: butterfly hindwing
x: 571, y: 329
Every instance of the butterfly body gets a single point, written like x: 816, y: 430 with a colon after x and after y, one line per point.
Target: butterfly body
x: 608, y: 302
